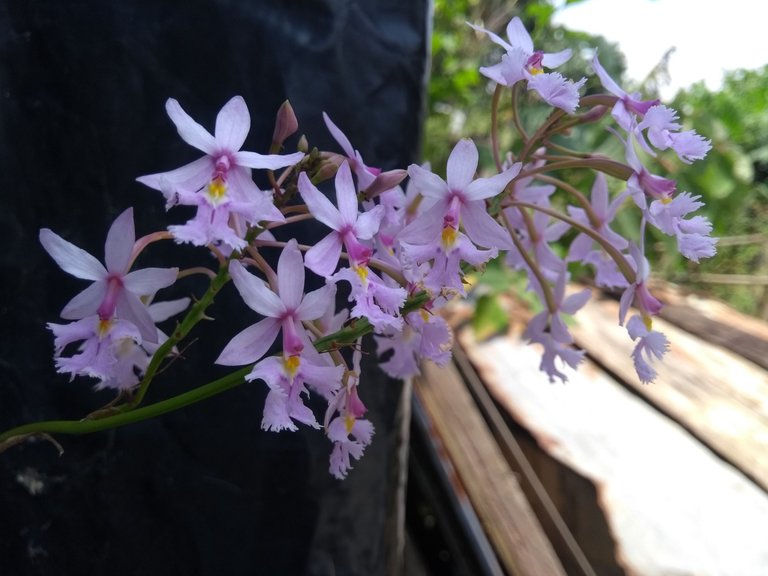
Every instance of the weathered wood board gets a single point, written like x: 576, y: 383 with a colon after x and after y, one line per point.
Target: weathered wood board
x: 716, y: 394
x: 672, y: 505
x: 483, y: 472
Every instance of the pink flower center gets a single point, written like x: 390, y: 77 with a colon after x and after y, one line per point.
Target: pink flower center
x: 359, y: 254
x: 534, y: 64
x: 292, y: 344
x: 114, y: 288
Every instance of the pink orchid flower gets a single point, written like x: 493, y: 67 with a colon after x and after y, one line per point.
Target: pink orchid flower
x: 222, y: 177
x: 284, y: 310
x: 348, y: 225
x: 522, y: 62
x: 115, y: 292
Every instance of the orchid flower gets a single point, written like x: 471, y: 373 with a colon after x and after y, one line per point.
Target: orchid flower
x: 348, y: 225
x: 284, y: 310
x: 221, y: 178
x: 115, y: 291
x: 628, y: 106
x: 664, y: 132
x: 651, y: 345
x: 365, y: 174
x: 639, y: 292
x: 583, y: 249
x: 459, y: 200
x: 349, y: 433
x: 522, y: 62
x: 693, y: 234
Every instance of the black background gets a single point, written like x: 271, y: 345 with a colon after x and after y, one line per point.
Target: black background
x: 202, y: 491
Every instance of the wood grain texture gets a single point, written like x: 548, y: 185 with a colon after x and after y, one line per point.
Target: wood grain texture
x: 483, y: 472
x: 717, y: 395
x: 673, y: 507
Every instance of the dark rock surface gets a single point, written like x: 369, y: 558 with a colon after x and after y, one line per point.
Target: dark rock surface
x: 202, y: 491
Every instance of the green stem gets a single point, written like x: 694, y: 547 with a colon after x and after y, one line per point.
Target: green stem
x: 158, y: 408
x: 195, y: 314
x: 129, y: 414
x: 494, y: 125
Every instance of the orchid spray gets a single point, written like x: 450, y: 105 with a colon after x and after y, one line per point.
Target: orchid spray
x: 404, y: 252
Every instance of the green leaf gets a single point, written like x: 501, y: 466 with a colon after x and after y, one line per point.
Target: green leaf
x: 490, y: 318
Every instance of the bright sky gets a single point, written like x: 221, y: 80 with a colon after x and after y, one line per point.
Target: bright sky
x: 709, y: 36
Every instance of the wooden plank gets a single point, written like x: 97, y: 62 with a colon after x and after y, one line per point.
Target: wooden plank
x: 717, y: 395
x: 492, y: 487
x: 716, y: 322
x: 673, y: 507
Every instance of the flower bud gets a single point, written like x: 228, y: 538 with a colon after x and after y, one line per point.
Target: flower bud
x: 383, y: 182
x: 286, y: 124
x: 303, y: 145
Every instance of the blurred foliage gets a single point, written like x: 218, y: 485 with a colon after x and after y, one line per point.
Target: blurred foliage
x: 460, y: 97
x: 733, y: 180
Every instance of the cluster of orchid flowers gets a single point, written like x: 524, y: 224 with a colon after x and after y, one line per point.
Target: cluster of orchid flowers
x: 400, y: 253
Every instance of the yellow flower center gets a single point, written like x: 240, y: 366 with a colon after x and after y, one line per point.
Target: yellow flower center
x: 349, y: 422
x: 648, y: 321
x: 292, y: 364
x: 217, y: 188
x: 104, y: 325
x: 449, y: 237
x: 362, y: 272
x: 666, y: 200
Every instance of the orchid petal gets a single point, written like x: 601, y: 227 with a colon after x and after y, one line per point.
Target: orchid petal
x: 556, y: 59
x: 131, y: 308
x: 147, y: 281
x: 70, y: 258
x: 189, y: 130
x: 255, y: 293
x: 339, y: 136
x: 428, y: 183
x: 320, y: 207
x: 119, y: 244
x: 368, y: 222
x: 316, y: 303
x: 574, y: 302
x: 462, y: 164
x: 232, y: 124
x: 518, y: 35
x: 267, y: 161
x: 160, y: 311
x: 290, y: 276
x: 482, y: 229
x: 346, y: 195
x: 323, y: 257
x: 607, y: 82
x: 425, y: 228
x: 250, y: 344
x: 494, y: 38
x: 192, y: 176
x: 86, y: 302
x: 483, y: 188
